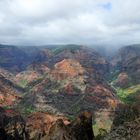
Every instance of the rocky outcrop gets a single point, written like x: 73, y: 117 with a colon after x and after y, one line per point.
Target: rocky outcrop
x: 122, y: 80
x: 126, y: 125
x: 80, y: 129
x: 42, y: 126
x: 67, y: 68
x: 127, y: 131
x: 8, y: 91
x: 40, y: 123
x: 12, y: 126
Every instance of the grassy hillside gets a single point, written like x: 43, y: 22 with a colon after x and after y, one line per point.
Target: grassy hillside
x: 72, y: 48
x: 129, y: 95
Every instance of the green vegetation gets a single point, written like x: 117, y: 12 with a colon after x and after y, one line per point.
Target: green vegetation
x: 29, y: 109
x: 7, y: 107
x: 101, y: 135
x: 112, y: 76
x: 101, y: 123
x: 95, y: 129
x: 52, y: 86
x: 71, y: 118
x: 26, y: 109
x: 75, y: 107
x: 128, y: 95
x: 72, y: 48
x: 23, y: 83
x: 38, y: 80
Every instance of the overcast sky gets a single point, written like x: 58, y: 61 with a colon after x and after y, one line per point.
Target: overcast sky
x: 40, y: 22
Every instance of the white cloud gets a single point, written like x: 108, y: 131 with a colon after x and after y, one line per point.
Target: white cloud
x: 65, y: 21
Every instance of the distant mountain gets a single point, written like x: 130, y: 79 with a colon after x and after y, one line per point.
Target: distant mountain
x: 17, y: 59
x: 128, y: 60
x: 13, y: 58
x: 88, y: 57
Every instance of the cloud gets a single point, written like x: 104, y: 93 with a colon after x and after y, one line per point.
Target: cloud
x: 39, y: 22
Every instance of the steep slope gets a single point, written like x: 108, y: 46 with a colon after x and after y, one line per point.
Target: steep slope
x: 125, y: 74
x: 127, y: 131
x: 13, y: 58
x: 126, y: 125
x: 68, y: 80
x: 88, y: 57
x: 128, y: 60
x: 69, y: 88
x: 9, y: 92
x: 42, y: 126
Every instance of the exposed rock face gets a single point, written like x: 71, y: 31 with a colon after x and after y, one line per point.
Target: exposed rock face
x: 67, y: 68
x: 72, y: 82
x: 42, y: 55
x: 41, y: 126
x: 8, y: 90
x: 60, y: 131
x: 70, y: 88
x: 88, y: 57
x: 126, y: 54
x: 126, y: 125
x: 39, y: 68
x: 128, y: 60
x: 7, y: 74
x: 122, y: 80
x: 63, y: 81
x: 128, y: 131
x: 67, y: 81
x: 24, y: 78
x: 82, y: 127
x: 12, y: 126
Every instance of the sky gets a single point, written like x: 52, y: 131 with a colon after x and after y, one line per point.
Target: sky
x: 97, y: 22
